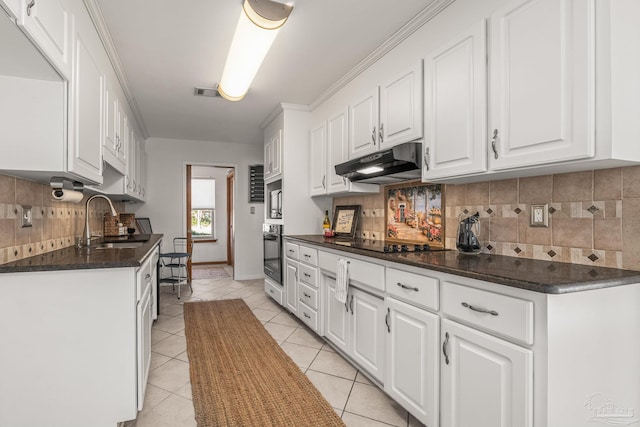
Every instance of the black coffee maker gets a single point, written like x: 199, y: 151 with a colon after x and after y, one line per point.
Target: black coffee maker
x: 468, y: 232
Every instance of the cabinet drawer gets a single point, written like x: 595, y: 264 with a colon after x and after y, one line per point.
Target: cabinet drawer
x: 308, y: 295
x: 507, y: 316
x: 366, y: 273
x: 416, y: 289
x: 308, y: 316
x: 273, y: 291
x: 309, y: 275
x: 309, y: 255
x: 292, y: 250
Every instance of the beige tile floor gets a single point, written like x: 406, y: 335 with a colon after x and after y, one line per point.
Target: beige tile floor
x: 168, y: 397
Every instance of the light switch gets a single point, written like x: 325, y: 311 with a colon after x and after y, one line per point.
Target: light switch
x: 252, y: 210
x: 539, y: 215
x: 26, y: 216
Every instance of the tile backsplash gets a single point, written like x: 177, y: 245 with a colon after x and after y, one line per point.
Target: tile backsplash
x: 594, y: 216
x: 56, y: 225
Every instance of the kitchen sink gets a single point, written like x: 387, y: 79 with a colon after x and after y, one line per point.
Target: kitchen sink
x: 122, y: 245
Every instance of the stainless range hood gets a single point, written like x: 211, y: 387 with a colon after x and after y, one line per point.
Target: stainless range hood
x: 400, y: 163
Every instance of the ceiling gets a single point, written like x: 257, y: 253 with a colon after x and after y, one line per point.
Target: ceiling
x: 166, y: 48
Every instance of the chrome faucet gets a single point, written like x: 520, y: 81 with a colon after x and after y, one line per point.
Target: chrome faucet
x: 87, y: 232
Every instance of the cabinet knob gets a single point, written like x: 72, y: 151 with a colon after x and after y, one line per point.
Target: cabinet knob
x: 493, y: 143
x: 426, y: 158
x: 444, y: 348
x: 29, y: 6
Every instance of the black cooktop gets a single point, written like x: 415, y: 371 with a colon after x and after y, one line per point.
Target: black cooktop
x: 387, y: 247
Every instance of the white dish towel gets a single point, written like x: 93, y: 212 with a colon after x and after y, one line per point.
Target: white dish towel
x: 342, y: 280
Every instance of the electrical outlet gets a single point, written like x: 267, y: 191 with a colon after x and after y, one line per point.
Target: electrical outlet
x: 540, y: 215
x: 26, y: 216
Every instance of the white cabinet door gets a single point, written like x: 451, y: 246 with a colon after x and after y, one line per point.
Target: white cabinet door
x: 291, y: 286
x: 13, y: 7
x: 318, y: 160
x: 272, y: 156
x: 338, y: 144
x: 367, y: 332
x: 144, y: 344
x: 542, y: 95
x: 336, y: 316
x: 412, y: 360
x: 363, y: 124
x: 49, y: 23
x: 401, y: 108
x: 455, y: 140
x: 485, y: 381
x: 112, y: 150
x: 86, y: 106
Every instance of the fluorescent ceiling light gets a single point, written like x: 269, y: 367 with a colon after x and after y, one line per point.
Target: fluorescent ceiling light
x: 370, y: 170
x: 258, y: 25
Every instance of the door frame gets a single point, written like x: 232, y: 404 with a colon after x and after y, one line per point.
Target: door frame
x: 186, y: 197
x: 231, y: 183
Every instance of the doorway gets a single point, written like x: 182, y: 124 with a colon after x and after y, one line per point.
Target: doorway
x: 209, y: 215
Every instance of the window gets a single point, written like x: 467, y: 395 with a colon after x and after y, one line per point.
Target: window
x: 203, y: 208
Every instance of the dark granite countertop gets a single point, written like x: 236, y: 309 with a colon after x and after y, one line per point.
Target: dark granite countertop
x: 539, y: 276
x: 73, y: 258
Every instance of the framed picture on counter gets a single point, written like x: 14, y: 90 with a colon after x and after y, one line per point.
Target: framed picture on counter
x: 415, y: 214
x: 345, y: 221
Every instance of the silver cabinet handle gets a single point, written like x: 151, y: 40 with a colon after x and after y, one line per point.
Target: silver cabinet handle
x: 493, y: 143
x: 373, y: 135
x: 480, y: 310
x: 351, y: 304
x: 324, y: 178
x: 306, y: 275
x: 306, y: 315
x: 271, y: 290
x: 386, y: 320
x: 29, y: 6
x: 307, y: 255
x: 427, y: 158
x: 412, y: 288
x: 381, y: 133
x: 344, y: 180
x: 147, y: 276
x: 291, y: 251
x: 306, y: 295
x: 444, y: 348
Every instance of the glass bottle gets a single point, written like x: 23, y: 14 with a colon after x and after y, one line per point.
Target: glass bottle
x: 326, y: 224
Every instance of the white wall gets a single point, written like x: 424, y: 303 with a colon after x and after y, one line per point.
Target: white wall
x: 214, y: 251
x: 167, y: 159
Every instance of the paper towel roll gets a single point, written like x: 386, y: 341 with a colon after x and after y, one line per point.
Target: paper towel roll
x: 72, y: 196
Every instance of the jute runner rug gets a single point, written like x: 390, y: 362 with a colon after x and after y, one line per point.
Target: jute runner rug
x: 241, y: 377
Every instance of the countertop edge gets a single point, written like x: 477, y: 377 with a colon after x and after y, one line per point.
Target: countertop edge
x: 593, y: 278
x: 72, y: 258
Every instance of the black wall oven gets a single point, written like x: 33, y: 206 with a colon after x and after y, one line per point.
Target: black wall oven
x: 272, y: 238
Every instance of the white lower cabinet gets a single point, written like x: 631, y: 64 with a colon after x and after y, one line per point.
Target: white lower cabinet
x: 291, y: 286
x: 486, y: 381
x: 411, y: 359
x: 357, y: 327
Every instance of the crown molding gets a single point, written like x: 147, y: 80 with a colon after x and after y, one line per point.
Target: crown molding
x: 424, y: 16
x: 283, y: 107
x: 105, y: 36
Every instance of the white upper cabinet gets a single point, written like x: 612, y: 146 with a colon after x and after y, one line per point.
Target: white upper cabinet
x: 363, y: 124
x: 273, y: 156
x: 87, y: 105
x: 318, y: 160
x: 387, y: 115
x: 455, y: 106
x: 329, y: 147
x: 542, y: 81
x: 49, y: 23
x: 114, y: 152
x: 401, y: 108
x: 13, y: 7
x: 338, y: 146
